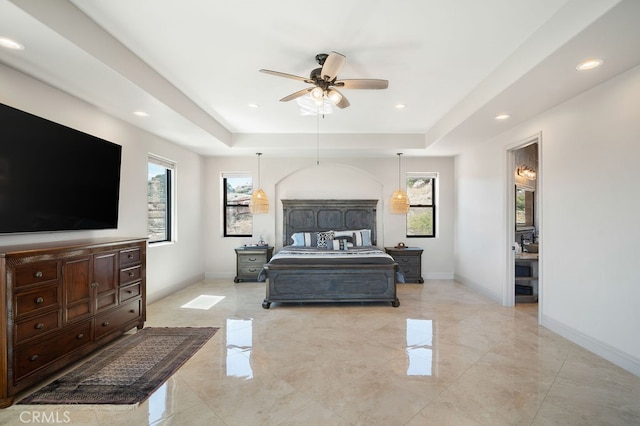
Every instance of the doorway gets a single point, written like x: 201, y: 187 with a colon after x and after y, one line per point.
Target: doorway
x: 523, y: 283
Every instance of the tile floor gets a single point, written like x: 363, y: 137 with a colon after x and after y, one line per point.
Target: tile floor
x: 446, y: 356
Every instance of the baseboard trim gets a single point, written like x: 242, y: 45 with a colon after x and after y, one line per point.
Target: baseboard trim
x: 219, y: 276
x: 161, y: 294
x: 478, y: 288
x: 438, y: 276
x: 606, y: 351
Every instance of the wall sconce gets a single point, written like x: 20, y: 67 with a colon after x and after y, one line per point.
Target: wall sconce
x: 526, y: 172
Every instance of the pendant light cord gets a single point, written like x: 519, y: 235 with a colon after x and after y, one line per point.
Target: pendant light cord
x: 258, y: 154
x: 318, y: 137
x: 399, y: 170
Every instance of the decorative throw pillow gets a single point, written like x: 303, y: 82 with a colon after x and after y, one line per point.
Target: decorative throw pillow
x: 338, y: 244
x: 359, y: 237
x: 362, y: 237
x: 304, y: 239
x: 323, y: 238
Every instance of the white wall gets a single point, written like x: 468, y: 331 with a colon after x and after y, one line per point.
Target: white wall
x: 168, y: 266
x: 590, y: 229
x: 334, y: 178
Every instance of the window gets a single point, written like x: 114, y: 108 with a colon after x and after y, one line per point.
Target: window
x: 160, y: 184
x: 238, y: 220
x: 421, y: 218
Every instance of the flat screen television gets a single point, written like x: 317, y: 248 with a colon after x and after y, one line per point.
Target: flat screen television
x: 54, y: 178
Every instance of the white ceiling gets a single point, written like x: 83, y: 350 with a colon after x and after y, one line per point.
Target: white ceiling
x: 193, y: 66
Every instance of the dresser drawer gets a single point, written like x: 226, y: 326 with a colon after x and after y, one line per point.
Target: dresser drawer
x: 407, y: 261
x: 34, y: 273
x: 130, y: 291
x: 249, y: 271
x: 38, y: 299
x: 252, y: 259
x: 113, y: 320
x: 130, y: 256
x: 410, y: 272
x: 130, y: 275
x: 38, y: 326
x: 33, y: 356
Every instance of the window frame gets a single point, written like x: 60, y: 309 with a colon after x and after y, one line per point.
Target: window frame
x: 226, y: 204
x: 433, y: 206
x: 170, y: 173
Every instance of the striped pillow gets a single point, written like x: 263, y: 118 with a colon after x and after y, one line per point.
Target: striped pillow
x: 359, y: 237
x: 305, y: 239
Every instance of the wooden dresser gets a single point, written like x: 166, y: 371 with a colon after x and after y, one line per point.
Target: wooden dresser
x: 61, y: 301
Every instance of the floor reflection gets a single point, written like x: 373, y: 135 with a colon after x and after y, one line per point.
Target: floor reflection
x: 158, y: 403
x: 419, y: 347
x: 239, y: 345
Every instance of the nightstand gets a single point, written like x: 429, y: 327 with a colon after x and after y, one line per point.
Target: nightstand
x: 409, y: 260
x: 249, y: 262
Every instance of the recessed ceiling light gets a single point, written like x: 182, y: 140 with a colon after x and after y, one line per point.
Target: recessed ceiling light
x: 400, y: 106
x: 140, y: 113
x: 254, y: 106
x: 589, y: 64
x: 10, y: 44
x: 502, y: 116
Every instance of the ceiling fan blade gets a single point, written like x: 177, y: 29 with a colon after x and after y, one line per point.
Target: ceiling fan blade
x: 343, y: 102
x: 332, y: 66
x: 285, y: 75
x: 296, y: 94
x: 365, y: 83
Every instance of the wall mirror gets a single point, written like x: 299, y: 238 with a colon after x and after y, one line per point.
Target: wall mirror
x: 524, y: 208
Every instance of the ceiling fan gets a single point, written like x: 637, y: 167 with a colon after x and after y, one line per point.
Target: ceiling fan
x: 325, y: 81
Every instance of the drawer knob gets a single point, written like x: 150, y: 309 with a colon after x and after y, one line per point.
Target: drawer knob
x: 252, y: 259
x: 129, y: 291
x: 95, y: 285
x: 130, y: 256
x: 39, y: 300
x: 39, y: 326
x: 131, y: 274
x: 33, y: 357
x: 80, y: 336
x: 132, y: 311
x: 105, y: 324
x: 38, y: 274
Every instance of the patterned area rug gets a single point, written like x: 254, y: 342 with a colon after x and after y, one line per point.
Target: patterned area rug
x: 128, y: 371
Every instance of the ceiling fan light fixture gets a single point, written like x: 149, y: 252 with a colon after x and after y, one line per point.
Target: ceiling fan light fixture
x: 334, y: 96
x: 325, y: 78
x: 317, y: 94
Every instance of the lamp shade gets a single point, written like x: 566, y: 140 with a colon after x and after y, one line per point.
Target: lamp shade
x: 399, y: 202
x: 259, y: 203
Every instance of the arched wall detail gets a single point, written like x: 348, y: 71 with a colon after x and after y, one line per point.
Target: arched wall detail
x: 329, y: 181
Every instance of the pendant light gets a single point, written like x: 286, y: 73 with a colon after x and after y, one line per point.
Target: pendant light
x: 399, y: 199
x: 259, y: 202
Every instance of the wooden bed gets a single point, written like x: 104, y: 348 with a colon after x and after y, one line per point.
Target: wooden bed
x: 323, y: 282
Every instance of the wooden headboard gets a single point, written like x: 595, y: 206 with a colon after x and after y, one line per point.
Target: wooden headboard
x: 326, y: 215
